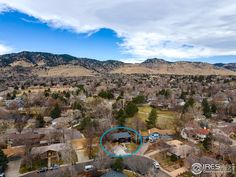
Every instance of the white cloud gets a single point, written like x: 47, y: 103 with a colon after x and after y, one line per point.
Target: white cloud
x: 4, y: 49
x: 150, y: 28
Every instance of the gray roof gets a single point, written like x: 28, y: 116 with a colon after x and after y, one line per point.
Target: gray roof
x: 113, y: 174
x: 116, y: 136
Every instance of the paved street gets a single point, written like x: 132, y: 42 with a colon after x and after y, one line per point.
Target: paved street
x: 139, y: 164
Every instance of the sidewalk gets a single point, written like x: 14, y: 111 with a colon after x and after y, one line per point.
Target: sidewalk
x: 13, y: 168
x: 155, y: 152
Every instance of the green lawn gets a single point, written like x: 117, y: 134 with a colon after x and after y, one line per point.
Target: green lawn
x: 165, y: 118
x: 36, y: 164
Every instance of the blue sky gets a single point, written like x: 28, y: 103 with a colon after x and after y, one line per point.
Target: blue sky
x: 127, y: 30
x: 22, y: 32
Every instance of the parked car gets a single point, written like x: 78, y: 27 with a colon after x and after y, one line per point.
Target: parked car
x: 88, y: 168
x: 2, y: 174
x: 43, y: 169
x: 54, y: 167
x: 152, y: 140
x: 156, y: 165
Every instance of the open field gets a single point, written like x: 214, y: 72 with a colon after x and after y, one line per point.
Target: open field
x: 165, y: 119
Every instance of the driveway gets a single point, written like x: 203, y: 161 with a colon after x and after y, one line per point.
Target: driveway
x: 119, y: 151
x: 81, y: 156
x: 13, y: 168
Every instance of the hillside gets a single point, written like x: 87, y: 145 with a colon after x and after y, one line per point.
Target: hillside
x: 41, y: 59
x: 160, y: 66
x: 50, y: 65
x: 230, y: 66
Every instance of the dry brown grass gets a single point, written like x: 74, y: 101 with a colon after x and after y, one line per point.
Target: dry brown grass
x: 21, y: 63
x: 64, y: 70
x: 179, y: 68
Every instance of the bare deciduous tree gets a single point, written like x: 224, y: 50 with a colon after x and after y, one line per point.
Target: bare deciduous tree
x: 20, y: 122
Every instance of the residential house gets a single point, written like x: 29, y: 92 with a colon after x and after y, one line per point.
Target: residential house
x: 54, y: 153
x: 16, y: 139
x: 194, y: 134
x: 121, y: 137
x: 179, y: 149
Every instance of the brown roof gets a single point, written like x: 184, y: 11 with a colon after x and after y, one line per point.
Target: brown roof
x: 53, y: 147
x: 23, y: 138
x: 202, y: 131
x: 15, y: 151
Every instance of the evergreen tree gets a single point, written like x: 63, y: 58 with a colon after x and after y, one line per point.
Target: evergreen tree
x: 67, y: 94
x: 213, y: 108
x: 207, y: 142
x: 165, y: 92
x: 189, y: 103
x: 152, y: 119
x: 139, y: 99
x: 118, y: 165
x: 55, y: 95
x: 56, y: 112
x: 206, y: 108
x: 130, y: 109
x: 40, y: 121
x: 183, y: 95
x: 121, y: 117
x: 3, y: 161
x: 106, y: 94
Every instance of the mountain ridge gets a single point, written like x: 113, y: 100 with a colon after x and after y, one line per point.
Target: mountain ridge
x: 150, y: 65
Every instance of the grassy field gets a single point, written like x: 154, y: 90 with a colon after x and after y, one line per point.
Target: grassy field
x: 165, y: 118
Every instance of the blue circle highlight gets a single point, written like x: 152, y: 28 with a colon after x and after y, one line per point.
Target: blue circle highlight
x: 120, y: 127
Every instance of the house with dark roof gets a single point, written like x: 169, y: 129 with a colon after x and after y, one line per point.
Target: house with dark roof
x: 121, y: 137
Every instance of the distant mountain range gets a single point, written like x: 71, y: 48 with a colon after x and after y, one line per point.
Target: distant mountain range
x: 47, y: 64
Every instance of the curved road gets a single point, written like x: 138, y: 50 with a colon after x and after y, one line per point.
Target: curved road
x: 139, y: 164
